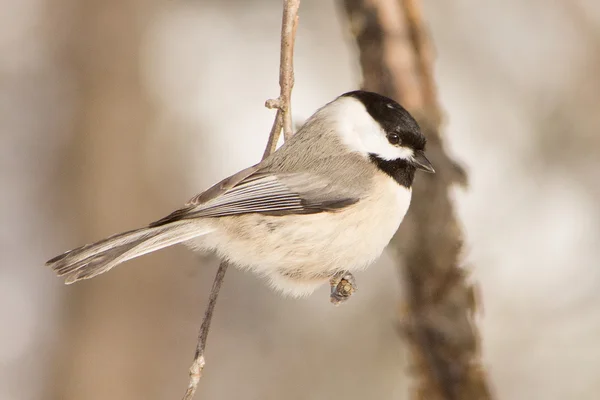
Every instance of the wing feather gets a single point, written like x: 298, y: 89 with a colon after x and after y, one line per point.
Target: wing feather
x: 265, y: 193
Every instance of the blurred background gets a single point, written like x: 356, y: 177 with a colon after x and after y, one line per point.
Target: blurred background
x: 114, y: 112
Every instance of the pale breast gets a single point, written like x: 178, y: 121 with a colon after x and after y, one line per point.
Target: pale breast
x: 383, y: 213
x: 314, y: 245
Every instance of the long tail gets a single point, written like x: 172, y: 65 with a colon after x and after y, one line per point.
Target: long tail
x: 94, y: 259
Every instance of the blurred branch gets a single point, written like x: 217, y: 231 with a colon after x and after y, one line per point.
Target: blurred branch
x: 284, y: 116
x: 396, y: 58
x: 423, y: 56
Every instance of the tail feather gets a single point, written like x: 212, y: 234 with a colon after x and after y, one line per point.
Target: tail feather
x: 93, y: 259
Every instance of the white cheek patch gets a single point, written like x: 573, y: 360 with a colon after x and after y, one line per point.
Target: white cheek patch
x: 361, y: 133
x: 379, y: 145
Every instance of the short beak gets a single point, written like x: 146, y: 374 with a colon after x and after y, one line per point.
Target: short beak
x: 422, y: 163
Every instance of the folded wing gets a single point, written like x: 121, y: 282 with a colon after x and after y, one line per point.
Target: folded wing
x: 266, y: 193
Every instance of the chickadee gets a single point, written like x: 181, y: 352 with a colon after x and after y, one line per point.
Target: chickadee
x: 327, y: 201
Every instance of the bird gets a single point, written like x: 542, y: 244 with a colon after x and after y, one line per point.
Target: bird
x: 323, y: 205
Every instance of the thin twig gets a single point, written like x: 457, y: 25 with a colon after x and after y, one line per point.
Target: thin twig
x: 198, y: 363
x: 274, y: 135
x: 283, y: 103
x: 283, y: 117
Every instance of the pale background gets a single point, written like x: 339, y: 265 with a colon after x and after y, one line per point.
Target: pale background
x: 114, y: 112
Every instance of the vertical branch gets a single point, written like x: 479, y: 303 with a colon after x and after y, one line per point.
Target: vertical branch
x: 423, y: 57
x: 286, y: 73
x: 283, y: 103
x: 282, y: 118
x: 396, y: 59
x: 387, y: 62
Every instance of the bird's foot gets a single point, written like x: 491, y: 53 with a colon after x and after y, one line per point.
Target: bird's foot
x: 343, y: 285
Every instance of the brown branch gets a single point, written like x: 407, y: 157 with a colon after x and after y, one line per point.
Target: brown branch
x: 283, y: 116
x: 423, y: 58
x: 396, y: 59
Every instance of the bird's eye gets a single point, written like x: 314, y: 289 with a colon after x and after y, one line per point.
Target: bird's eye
x: 394, y: 138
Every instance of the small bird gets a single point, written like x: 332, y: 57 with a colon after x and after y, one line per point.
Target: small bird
x: 325, y: 204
